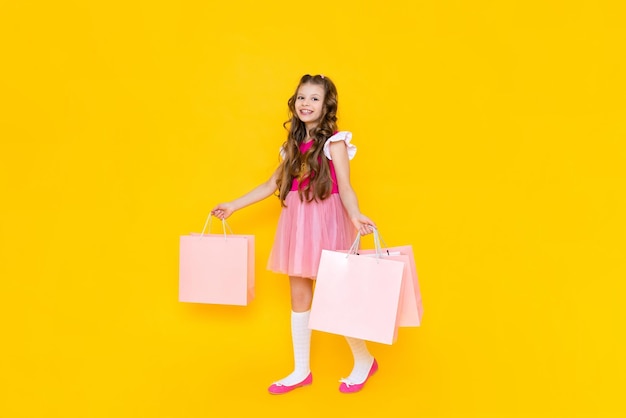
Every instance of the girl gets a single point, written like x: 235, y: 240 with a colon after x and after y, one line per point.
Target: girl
x: 319, y: 211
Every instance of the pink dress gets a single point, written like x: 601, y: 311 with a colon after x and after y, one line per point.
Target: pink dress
x: 306, y: 228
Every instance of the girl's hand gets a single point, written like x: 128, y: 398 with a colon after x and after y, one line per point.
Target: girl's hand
x: 363, y: 224
x: 223, y: 210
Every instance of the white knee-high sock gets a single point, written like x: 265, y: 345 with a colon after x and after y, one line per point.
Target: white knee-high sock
x: 301, y: 338
x: 363, y: 361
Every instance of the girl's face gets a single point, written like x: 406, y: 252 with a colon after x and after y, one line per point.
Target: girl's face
x: 309, y: 104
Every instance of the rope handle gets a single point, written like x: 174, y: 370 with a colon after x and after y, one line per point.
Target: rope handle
x: 354, y: 249
x: 208, y: 222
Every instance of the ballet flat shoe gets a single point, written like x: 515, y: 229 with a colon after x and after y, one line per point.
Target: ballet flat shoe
x: 347, y: 387
x: 278, y: 389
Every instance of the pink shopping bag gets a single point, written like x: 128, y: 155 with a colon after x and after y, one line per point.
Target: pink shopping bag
x: 357, y: 296
x: 411, y: 308
x: 216, y: 268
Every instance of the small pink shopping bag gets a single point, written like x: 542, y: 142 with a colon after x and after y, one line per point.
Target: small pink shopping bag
x: 357, y: 296
x: 411, y: 308
x: 216, y: 268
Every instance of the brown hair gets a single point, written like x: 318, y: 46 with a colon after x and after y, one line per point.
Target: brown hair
x: 310, y: 165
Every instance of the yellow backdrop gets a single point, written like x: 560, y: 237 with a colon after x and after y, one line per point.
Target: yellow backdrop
x: 491, y: 138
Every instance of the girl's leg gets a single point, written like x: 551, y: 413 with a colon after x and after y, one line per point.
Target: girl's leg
x: 301, y: 297
x: 363, y: 365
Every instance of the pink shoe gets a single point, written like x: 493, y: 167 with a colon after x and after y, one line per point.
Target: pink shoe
x: 278, y: 389
x: 347, y: 387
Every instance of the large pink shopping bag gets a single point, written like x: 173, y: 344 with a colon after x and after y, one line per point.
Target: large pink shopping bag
x: 357, y: 296
x: 216, y: 268
x: 411, y: 308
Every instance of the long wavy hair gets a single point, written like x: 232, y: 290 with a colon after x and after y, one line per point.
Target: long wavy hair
x: 311, y: 165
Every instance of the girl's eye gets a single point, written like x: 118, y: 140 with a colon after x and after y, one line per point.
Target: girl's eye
x: 300, y: 98
x: 315, y: 99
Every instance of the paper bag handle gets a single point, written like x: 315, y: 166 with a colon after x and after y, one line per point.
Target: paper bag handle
x: 208, y: 222
x: 377, y: 238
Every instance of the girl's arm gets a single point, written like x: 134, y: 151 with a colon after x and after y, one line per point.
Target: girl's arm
x: 262, y: 191
x: 339, y: 155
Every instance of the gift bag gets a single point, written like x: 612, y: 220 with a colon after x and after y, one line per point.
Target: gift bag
x: 411, y: 308
x: 357, y: 296
x: 216, y: 268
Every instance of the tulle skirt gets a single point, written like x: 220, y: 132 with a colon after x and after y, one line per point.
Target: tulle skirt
x: 304, y: 230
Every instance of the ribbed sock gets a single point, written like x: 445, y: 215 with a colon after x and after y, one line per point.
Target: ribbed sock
x: 301, y: 338
x: 363, y: 361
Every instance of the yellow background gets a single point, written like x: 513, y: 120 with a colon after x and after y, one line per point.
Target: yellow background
x: 491, y: 138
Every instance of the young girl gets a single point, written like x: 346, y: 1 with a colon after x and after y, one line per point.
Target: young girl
x: 319, y: 211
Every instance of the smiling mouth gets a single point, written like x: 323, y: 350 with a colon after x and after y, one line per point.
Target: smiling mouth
x: 306, y: 111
